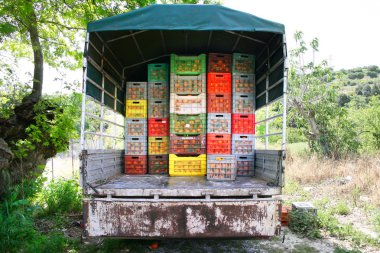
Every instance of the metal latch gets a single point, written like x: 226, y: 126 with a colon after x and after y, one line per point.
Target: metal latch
x: 156, y: 194
x: 254, y: 193
x: 207, y: 194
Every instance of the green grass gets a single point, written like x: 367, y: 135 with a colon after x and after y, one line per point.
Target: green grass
x: 376, y: 221
x: 344, y: 231
x: 300, y: 148
x: 341, y: 208
x: 304, y: 248
x: 343, y: 250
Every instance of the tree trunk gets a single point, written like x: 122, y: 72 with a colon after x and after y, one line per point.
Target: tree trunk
x: 14, y: 169
x: 315, y: 131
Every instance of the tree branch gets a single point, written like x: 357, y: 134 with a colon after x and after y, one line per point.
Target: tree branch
x: 62, y: 25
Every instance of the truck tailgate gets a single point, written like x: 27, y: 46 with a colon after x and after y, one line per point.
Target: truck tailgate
x: 181, y: 218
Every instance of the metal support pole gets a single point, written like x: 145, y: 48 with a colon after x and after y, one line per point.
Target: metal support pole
x: 284, y: 105
x: 102, y: 102
x: 266, y: 102
x: 82, y: 127
x: 72, y: 157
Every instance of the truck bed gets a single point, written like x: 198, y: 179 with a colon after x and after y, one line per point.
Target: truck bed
x: 166, y: 186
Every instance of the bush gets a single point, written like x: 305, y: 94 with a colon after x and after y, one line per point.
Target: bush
x: 61, y: 196
x: 54, y: 242
x: 356, y: 75
x: 305, y: 223
x: 342, y: 209
x: 343, y: 99
x: 17, y: 227
x: 372, y: 74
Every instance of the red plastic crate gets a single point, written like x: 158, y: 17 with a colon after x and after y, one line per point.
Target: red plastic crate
x: 243, y: 123
x: 219, y: 103
x: 187, y: 145
x: 220, y: 63
x: 135, y: 164
x: 158, y: 127
x: 158, y: 164
x: 219, y: 83
x: 218, y: 144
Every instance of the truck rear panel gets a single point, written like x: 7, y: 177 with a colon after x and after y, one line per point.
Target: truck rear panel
x: 181, y: 218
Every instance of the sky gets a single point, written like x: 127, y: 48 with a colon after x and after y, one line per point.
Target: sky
x: 348, y: 30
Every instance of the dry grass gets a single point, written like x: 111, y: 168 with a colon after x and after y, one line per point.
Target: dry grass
x: 354, y: 176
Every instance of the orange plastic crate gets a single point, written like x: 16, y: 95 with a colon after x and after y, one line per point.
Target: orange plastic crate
x: 219, y: 144
x: 219, y: 83
x: 243, y: 123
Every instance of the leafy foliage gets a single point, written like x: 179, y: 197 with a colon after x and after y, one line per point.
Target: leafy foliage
x: 367, y: 116
x: 12, y: 90
x: 305, y: 223
x: 17, y: 229
x: 61, y: 196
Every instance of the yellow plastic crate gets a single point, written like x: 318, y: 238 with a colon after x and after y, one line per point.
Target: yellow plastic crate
x: 158, y: 145
x: 136, y: 109
x: 187, y: 166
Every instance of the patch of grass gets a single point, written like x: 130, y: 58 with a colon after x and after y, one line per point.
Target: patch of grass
x: 304, y: 248
x: 344, y: 231
x: 61, y: 196
x: 341, y: 208
x: 292, y: 187
x: 305, y: 223
x: 117, y: 245
x: 376, y: 221
x: 299, y: 148
x: 343, y: 250
x: 322, y: 203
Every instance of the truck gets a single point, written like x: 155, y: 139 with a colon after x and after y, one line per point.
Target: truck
x: 117, y: 50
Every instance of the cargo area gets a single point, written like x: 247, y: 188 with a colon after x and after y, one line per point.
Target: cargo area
x: 119, y: 54
x: 168, y: 149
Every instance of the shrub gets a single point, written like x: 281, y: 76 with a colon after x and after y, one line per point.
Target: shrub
x: 15, y: 229
x: 372, y: 74
x: 61, y: 196
x: 305, y: 223
x: 342, y: 209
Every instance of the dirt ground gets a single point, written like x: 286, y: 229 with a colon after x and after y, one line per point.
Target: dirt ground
x: 288, y: 242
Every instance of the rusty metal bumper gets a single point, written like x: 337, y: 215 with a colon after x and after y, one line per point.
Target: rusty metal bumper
x: 181, y: 218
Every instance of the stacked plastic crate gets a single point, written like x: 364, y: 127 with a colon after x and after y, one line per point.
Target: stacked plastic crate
x: 158, y: 118
x: 221, y: 163
x: 136, y: 128
x: 187, y: 115
x: 243, y: 109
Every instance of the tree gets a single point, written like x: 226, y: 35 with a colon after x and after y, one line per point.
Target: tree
x: 343, y: 99
x: 372, y: 74
x: 48, y: 32
x: 314, y: 99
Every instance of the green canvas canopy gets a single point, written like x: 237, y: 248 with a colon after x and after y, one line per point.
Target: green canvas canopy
x: 186, y: 17
x: 120, y: 47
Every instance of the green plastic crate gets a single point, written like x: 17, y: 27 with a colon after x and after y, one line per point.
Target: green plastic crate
x: 188, y: 124
x: 188, y: 65
x: 158, y: 72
